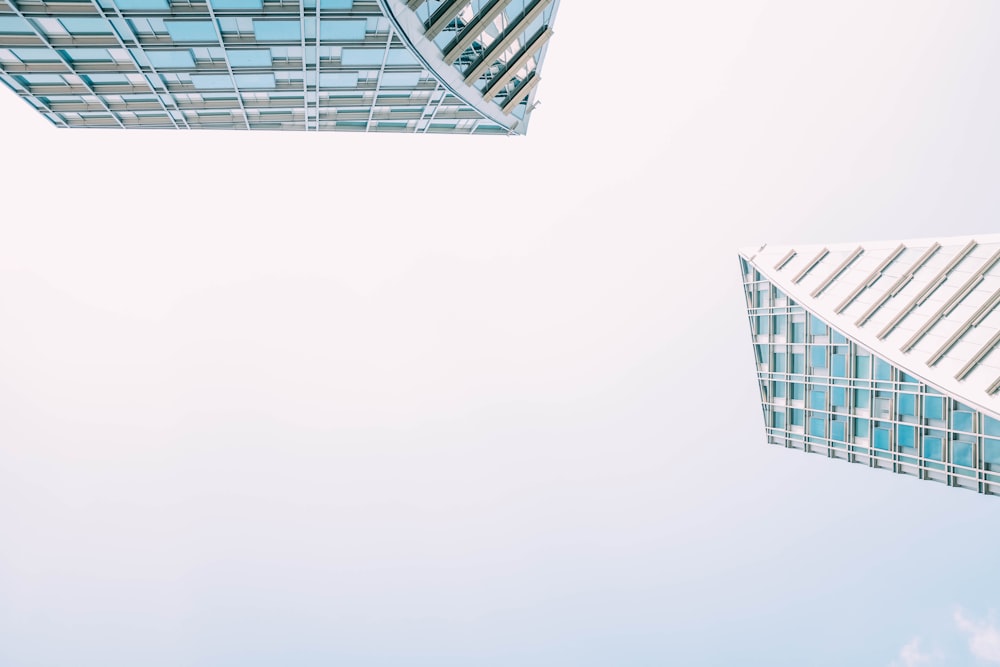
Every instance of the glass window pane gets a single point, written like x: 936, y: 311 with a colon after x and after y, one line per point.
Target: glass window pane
x: 335, y: 4
x: 883, y: 370
x: 249, y: 57
x: 780, y: 321
x: 171, y: 59
x: 861, y: 427
x: 237, y: 4
x: 86, y: 25
x: 991, y: 451
x: 400, y: 79
x: 779, y: 389
x: 906, y: 404
x: 881, y: 438
x: 837, y: 337
x: 862, y: 398
x: 906, y: 435
x: 14, y: 25
x: 934, y: 407
x: 838, y: 431
x: 797, y: 416
x: 779, y: 362
x: 961, y: 421
x: 862, y: 366
x: 192, y: 31
x: 818, y: 354
x: 344, y: 31
x: 817, y: 399
x: 798, y: 332
x: 211, y: 81
x: 277, y: 31
x: 142, y: 4
x: 961, y: 453
x: 816, y: 326
x: 798, y: 363
x: 838, y: 397
x: 991, y: 426
x: 36, y: 55
x: 817, y: 427
x: 838, y: 365
x: 933, y: 448
x: 338, y: 80
x: 255, y: 80
x: 778, y: 419
x: 798, y: 391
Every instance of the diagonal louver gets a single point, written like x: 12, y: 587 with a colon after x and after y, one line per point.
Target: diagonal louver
x: 417, y: 66
x: 885, y: 354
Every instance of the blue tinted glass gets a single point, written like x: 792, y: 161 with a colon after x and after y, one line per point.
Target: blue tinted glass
x: 41, y: 79
x: 400, y: 79
x: 14, y: 25
x: 933, y: 448
x: 881, y: 438
x: 861, y: 427
x: 883, y: 371
x: 338, y: 80
x: 779, y: 324
x: 817, y: 400
x: 798, y: 363
x: 837, y: 431
x: 862, y: 398
x: 961, y: 453
x: 838, y: 397
x: 837, y: 337
x: 760, y: 352
x: 779, y: 362
x: 86, y: 25
x: 400, y: 57
x: 210, y: 81
x: 181, y: 59
x: 991, y: 426
x: 36, y: 55
x: 335, y: 4
x: 798, y: 391
x: 778, y: 419
x: 192, y: 31
x: 255, y: 80
x: 991, y: 451
x: 818, y: 355
x: 276, y: 31
x: 142, y: 4
x: 107, y: 79
x: 906, y: 404
x: 816, y: 326
x: 838, y: 365
x: 961, y: 421
x: 87, y: 55
x: 798, y: 332
x: 249, y: 57
x: 934, y: 407
x: 862, y: 366
x: 356, y: 57
x: 343, y: 30
x: 817, y: 427
x: 906, y: 435
x: 797, y: 416
x: 237, y: 4
x: 779, y: 389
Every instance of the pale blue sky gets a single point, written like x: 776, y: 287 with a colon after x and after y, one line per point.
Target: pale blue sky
x: 378, y: 400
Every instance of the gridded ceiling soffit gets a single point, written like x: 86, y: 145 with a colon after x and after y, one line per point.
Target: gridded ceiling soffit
x: 487, y: 52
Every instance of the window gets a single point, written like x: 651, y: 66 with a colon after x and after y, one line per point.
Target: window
x: 142, y: 4
x: 86, y: 25
x: 340, y: 31
x: 882, y: 436
x: 818, y: 356
x: 237, y: 4
x: 861, y: 427
x: 883, y: 371
x: 36, y: 55
x: 779, y: 325
x: 192, y: 31
x: 780, y: 389
x: 838, y: 365
x: 798, y: 391
x: 991, y: 451
x: 14, y: 25
x: 798, y: 363
x: 934, y: 407
x: 362, y: 57
x: 798, y: 332
x: 906, y: 435
x: 778, y: 419
x: 961, y: 453
x: 906, y: 404
x: 862, y: 366
x: 276, y: 31
x: 779, y: 362
x: 961, y: 420
x: 211, y: 81
x: 837, y: 337
x: 761, y: 323
x: 255, y: 80
x: 817, y: 399
x: 838, y: 431
x: 87, y: 55
x: 817, y: 427
x: 171, y: 59
x: 400, y: 80
x: 862, y: 398
x: 338, y: 80
x: 335, y: 4
x: 933, y: 448
x: 797, y: 416
x: 838, y: 397
x: 816, y: 326
x: 250, y: 57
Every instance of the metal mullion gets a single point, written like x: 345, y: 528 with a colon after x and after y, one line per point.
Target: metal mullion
x: 121, y: 43
x: 65, y: 60
x: 305, y: 70
x: 444, y: 95
x: 229, y: 67
x: 378, y: 83
x: 319, y: 39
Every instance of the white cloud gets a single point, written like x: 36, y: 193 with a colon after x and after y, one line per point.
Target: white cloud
x: 984, y: 636
x: 911, y: 655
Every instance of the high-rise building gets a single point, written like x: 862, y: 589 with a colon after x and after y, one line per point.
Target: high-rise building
x: 883, y: 354
x: 451, y: 66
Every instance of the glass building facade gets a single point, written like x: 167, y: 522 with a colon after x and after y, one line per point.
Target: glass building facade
x: 823, y: 391
x: 417, y: 66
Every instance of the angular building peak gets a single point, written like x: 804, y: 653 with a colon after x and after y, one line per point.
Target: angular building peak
x: 417, y: 66
x: 886, y: 353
